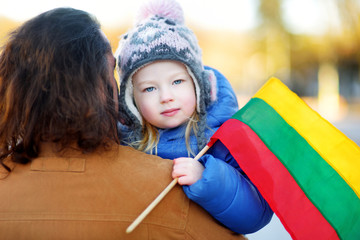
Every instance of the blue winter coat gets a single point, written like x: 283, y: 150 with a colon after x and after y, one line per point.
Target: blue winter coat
x: 224, y: 190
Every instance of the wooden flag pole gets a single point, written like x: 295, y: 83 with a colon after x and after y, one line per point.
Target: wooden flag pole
x: 153, y: 204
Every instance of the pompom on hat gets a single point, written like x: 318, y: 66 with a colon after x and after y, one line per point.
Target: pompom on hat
x: 166, y: 9
x: 160, y: 34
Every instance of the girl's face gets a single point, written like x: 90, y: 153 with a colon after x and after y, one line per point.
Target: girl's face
x: 164, y: 93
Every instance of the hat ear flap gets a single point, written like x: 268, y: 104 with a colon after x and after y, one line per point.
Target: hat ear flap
x: 128, y: 112
x: 210, y: 76
x: 123, y: 117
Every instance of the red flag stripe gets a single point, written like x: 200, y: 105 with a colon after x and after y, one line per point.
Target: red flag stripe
x: 274, y: 182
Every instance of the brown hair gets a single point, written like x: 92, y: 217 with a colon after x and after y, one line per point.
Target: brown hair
x: 55, y: 85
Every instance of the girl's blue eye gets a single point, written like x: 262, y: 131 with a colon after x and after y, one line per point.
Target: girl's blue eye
x: 177, y: 82
x: 149, y: 89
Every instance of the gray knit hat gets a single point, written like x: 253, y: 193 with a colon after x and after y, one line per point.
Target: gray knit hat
x: 160, y: 34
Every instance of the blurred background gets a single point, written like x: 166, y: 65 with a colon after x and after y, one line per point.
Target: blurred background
x: 313, y: 46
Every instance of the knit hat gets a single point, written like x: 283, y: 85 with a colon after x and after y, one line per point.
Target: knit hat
x: 160, y: 34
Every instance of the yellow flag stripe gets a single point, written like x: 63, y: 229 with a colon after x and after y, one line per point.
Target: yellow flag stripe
x: 339, y: 151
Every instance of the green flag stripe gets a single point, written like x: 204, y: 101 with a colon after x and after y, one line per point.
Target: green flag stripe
x: 320, y: 182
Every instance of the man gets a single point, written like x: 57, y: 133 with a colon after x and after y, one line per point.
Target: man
x: 63, y: 174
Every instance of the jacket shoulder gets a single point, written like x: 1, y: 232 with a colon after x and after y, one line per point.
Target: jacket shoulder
x: 202, y: 226
x: 176, y: 216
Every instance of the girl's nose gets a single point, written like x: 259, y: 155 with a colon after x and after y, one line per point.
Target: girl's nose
x: 166, y: 96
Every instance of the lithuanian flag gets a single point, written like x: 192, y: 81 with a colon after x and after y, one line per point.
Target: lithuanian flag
x: 306, y: 169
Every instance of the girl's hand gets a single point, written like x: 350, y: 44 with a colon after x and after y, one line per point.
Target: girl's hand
x: 187, y: 170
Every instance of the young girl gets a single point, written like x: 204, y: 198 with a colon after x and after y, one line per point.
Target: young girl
x: 170, y: 105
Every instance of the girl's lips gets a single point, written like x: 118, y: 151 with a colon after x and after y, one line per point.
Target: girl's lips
x: 170, y: 112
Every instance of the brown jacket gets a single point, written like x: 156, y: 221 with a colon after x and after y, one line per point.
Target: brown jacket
x: 97, y: 196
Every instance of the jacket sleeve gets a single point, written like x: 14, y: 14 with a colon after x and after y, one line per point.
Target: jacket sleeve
x: 228, y: 195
